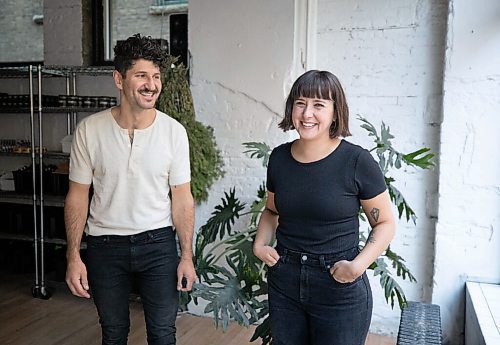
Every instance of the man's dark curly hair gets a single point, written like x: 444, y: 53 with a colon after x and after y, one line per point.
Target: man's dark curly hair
x: 138, y: 47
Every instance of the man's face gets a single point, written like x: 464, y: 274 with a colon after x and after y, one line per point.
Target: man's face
x: 141, y: 86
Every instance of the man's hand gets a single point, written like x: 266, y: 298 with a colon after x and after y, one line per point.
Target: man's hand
x: 76, y: 278
x: 185, y: 270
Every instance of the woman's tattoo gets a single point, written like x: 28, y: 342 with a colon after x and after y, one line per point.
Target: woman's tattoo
x: 274, y: 213
x: 370, y: 236
x: 375, y: 212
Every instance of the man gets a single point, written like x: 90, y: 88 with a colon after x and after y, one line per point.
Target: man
x: 137, y: 159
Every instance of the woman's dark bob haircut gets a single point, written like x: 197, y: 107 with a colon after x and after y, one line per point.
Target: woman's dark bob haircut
x: 323, y: 85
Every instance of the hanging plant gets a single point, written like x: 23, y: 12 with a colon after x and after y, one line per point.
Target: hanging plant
x: 176, y: 101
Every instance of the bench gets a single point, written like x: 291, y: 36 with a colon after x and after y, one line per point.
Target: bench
x: 420, y: 324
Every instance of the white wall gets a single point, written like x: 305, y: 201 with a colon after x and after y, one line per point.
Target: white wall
x: 242, y: 53
x: 388, y: 55
x: 468, y: 230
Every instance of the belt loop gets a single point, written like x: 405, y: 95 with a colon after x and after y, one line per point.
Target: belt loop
x: 322, y: 262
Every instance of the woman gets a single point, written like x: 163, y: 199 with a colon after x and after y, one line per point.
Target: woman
x: 318, y: 289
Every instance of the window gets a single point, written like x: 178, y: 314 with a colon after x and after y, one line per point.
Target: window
x: 101, y: 32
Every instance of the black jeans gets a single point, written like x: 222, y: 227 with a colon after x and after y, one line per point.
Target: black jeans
x: 308, y: 307
x: 112, y: 263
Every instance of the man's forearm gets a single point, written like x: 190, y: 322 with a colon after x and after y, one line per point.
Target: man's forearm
x: 183, y: 219
x: 75, y: 216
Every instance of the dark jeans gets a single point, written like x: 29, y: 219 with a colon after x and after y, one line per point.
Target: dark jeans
x: 113, y: 262
x: 308, y: 307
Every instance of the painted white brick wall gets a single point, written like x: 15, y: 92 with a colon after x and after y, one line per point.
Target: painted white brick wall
x: 388, y: 55
x: 468, y: 230
x: 242, y: 53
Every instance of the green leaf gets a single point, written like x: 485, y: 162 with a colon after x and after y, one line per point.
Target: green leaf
x: 400, y: 202
x: 259, y: 204
x: 369, y: 128
x: 263, y: 331
x: 421, y: 158
x: 390, y: 157
x: 226, y: 301
x: 223, y: 217
x: 258, y: 150
x: 248, y: 268
x: 391, y: 288
x: 398, y: 263
x: 205, y: 265
x: 386, y: 135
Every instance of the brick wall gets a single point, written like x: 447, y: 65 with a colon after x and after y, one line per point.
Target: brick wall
x: 131, y: 16
x: 468, y: 229
x: 388, y: 55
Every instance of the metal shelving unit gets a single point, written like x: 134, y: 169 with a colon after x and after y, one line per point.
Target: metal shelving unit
x: 38, y: 198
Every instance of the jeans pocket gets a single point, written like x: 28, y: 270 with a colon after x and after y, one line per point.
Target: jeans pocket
x: 277, y: 265
x: 162, y: 236
x: 96, y: 242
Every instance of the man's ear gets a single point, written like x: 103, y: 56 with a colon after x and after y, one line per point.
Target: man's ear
x: 118, y: 79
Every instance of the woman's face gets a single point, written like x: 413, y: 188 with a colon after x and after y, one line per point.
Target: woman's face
x: 312, y: 117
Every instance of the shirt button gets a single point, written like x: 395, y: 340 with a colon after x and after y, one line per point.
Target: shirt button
x: 304, y: 257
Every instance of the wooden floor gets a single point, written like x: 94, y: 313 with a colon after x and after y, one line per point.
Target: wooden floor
x: 68, y: 320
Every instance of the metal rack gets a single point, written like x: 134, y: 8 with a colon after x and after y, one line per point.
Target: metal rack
x: 38, y: 198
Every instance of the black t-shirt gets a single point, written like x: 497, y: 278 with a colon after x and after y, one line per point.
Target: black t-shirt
x: 318, y: 202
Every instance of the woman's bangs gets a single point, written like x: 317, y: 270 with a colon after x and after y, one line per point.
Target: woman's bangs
x: 315, y: 87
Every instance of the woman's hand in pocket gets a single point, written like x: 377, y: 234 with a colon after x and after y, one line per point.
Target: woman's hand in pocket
x: 267, y: 254
x: 345, y: 271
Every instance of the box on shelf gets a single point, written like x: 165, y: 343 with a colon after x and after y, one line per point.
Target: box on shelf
x: 66, y: 143
x: 7, y: 182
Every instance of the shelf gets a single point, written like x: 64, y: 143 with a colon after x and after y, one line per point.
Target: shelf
x: 27, y: 199
x: 17, y: 110
x: 49, y: 154
x: 55, y: 71
x: 63, y: 71
x: 15, y: 72
x: 17, y: 237
x: 27, y: 238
